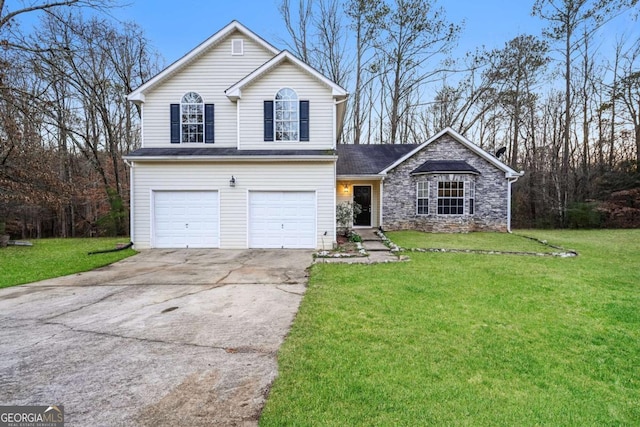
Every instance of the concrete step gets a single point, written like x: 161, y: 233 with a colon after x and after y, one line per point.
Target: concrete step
x: 375, y: 246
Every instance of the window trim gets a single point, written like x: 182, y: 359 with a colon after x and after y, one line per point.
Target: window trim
x: 239, y: 52
x: 418, y: 198
x: 295, y: 104
x: 200, y: 124
x: 470, y: 191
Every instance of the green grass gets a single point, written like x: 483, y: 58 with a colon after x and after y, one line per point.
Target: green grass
x: 485, y: 241
x: 469, y: 339
x: 49, y: 258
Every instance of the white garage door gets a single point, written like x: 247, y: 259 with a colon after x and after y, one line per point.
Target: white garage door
x: 282, y: 219
x: 186, y: 219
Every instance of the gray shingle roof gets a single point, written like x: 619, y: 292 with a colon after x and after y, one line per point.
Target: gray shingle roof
x: 221, y: 152
x: 431, y: 166
x: 369, y: 159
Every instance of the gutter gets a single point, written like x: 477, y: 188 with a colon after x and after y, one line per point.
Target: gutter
x: 374, y: 177
x: 228, y: 158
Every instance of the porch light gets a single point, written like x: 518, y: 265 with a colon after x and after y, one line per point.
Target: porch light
x: 345, y: 188
x: 232, y: 181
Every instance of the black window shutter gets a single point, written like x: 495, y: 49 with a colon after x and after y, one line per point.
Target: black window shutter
x: 304, y: 120
x: 209, y: 135
x: 175, y: 123
x: 268, y: 120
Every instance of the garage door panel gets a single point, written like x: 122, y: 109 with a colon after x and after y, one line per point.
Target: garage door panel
x: 282, y: 219
x: 186, y: 219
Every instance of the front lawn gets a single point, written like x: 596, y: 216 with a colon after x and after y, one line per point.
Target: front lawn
x: 477, y: 241
x: 469, y: 339
x: 49, y: 258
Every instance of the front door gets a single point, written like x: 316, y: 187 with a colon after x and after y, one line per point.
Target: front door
x: 362, y: 196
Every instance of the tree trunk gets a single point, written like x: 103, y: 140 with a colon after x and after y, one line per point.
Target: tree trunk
x: 564, y: 193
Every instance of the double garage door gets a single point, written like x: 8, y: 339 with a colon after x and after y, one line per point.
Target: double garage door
x: 276, y: 219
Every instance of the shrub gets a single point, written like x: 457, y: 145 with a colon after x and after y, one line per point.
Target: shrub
x: 354, y: 237
x: 584, y: 215
x: 345, y: 212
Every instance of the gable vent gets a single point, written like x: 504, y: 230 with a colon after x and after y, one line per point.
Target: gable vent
x: 237, y: 47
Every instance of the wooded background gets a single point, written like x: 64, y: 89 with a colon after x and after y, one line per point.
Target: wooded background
x: 565, y: 107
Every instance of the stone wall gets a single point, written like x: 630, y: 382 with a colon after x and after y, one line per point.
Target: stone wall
x: 491, y: 192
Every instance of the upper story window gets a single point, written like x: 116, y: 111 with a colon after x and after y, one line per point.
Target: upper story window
x: 286, y: 115
x: 192, y: 118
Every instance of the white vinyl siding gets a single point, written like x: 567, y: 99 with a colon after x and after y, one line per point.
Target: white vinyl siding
x: 209, y: 75
x: 308, y: 88
x: 234, y: 209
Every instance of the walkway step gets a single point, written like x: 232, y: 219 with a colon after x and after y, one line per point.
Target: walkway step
x: 375, y: 246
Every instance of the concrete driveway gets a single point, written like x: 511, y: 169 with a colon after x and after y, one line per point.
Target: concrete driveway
x: 167, y: 337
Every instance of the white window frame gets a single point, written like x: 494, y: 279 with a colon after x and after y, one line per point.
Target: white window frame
x: 235, y: 43
x: 420, y: 195
x: 191, y: 118
x: 286, y: 116
x: 460, y: 188
x: 470, y: 192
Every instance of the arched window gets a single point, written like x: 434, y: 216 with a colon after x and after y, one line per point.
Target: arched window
x: 286, y: 115
x: 192, y: 118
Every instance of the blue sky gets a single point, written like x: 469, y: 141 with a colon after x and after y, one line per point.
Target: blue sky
x: 174, y: 28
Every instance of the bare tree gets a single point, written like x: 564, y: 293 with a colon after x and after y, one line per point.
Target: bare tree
x: 514, y: 71
x: 415, y: 33
x: 629, y: 93
x: 565, y: 17
x: 9, y: 14
x: 331, y: 35
x: 365, y: 17
x: 298, y: 27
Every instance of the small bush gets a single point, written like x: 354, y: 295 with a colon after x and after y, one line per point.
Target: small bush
x: 345, y: 212
x: 354, y: 237
x: 584, y: 215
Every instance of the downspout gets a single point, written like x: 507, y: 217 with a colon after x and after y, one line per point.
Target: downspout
x: 238, y: 123
x: 511, y: 180
x: 334, y: 235
x: 131, y: 196
x: 335, y: 121
x: 381, y: 203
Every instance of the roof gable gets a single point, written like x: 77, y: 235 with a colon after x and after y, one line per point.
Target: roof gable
x: 234, y: 92
x: 138, y: 94
x: 509, y: 173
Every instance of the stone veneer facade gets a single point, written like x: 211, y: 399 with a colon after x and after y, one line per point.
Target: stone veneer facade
x: 400, y: 193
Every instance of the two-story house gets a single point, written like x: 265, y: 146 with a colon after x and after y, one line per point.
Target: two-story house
x: 239, y: 144
x: 239, y: 151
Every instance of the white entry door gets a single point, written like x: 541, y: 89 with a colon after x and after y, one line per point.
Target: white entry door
x: 282, y: 219
x: 186, y: 219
